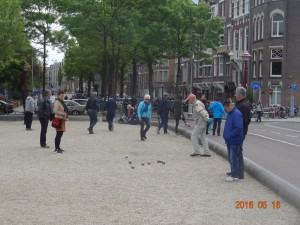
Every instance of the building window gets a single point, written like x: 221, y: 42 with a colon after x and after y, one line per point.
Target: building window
x: 241, y: 39
x: 262, y: 27
x: 221, y: 66
x: 243, y: 6
x: 228, y: 36
x: 215, y: 66
x: 275, y: 99
x: 254, y: 64
x: 246, y: 44
x: 258, y: 29
x: 232, y: 9
x: 255, y: 2
x: 277, y: 25
x: 276, y: 63
x: 237, y: 8
x: 260, y: 65
x: 236, y: 40
x: 254, y: 29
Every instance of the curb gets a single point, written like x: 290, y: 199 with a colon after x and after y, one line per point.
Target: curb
x: 278, y: 185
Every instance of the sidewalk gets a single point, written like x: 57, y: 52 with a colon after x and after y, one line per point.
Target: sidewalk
x: 92, y: 182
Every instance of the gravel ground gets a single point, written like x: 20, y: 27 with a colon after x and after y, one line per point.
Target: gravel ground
x: 93, y: 183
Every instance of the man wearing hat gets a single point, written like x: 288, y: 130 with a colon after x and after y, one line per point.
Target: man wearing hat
x: 201, y: 118
x: 234, y: 136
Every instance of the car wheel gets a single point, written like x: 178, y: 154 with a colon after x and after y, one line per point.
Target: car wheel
x: 75, y: 112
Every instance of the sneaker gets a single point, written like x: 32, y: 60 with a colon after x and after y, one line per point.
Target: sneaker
x: 241, y: 176
x: 145, y: 137
x: 195, y: 154
x: 205, y: 155
x: 228, y: 173
x: 142, y: 139
x: 230, y: 179
x: 157, y: 130
x: 45, y: 146
x: 59, y: 151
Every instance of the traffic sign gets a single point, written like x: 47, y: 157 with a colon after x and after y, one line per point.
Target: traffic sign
x: 255, y: 85
x: 294, y: 87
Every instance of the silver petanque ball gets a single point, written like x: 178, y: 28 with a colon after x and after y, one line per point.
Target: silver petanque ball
x: 132, y: 167
x: 148, y: 163
x: 143, y: 163
x: 163, y: 162
x: 129, y: 162
x: 126, y: 156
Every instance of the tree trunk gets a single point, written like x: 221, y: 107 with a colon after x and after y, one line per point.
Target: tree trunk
x: 150, y: 83
x: 122, y: 80
x: 178, y: 76
x: 134, y: 77
x: 44, y: 64
x: 104, y: 66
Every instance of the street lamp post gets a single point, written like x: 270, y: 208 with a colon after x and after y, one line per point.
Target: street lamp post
x: 245, y: 57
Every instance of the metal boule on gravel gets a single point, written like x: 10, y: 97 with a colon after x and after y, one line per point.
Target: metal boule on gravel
x: 143, y: 163
x: 132, y: 167
x: 163, y: 162
x: 129, y: 162
x: 148, y: 163
x: 126, y: 156
x: 159, y: 161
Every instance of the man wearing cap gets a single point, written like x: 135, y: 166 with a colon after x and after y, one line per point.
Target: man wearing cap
x: 201, y: 118
x: 234, y: 136
x: 163, y: 113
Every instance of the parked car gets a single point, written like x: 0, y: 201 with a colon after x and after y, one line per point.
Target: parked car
x: 74, y: 108
x: 82, y: 101
x: 5, y: 107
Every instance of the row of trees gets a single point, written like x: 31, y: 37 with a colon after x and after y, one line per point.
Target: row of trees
x: 112, y: 37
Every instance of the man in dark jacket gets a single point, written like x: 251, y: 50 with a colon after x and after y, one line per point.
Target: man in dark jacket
x: 92, y: 108
x: 44, y: 113
x: 234, y: 137
x: 110, y: 108
x: 163, y: 113
x: 244, y: 107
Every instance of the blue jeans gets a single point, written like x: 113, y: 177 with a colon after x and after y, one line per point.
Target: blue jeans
x: 233, y: 159
x: 241, y: 161
x: 143, y: 122
x: 217, y: 121
x: 164, y: 122
x: 110, y: 120
x: 93, y: 118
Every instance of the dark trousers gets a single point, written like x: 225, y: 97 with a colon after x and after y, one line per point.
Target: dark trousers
x: 93, y: 118
x: 143, y: 122
x: 176, y: 126
x: 217, y: 121
x: 44, y: 127
x: 164, y: 122
x: 241, y: 167
x: 110, y: 120
x: 58, y: 136
x: 28, y: 119
x: 258, y: 116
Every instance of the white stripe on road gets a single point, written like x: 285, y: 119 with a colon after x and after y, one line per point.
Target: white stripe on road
x: 269, y: 125
x: 291, y: 136
x: 274, y: 132
x: 274, y: 139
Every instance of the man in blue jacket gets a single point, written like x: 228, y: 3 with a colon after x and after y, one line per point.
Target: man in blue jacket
x: 234, y: 136
x: 144, y: 114
x: 218, y: 110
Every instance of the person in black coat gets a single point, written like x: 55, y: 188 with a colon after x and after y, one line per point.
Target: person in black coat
x: 163, y: 113
x: 110, y: 108
x: 243, y: 106
x: 92, y: 108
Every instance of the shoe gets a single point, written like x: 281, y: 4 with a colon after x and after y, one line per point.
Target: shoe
x: 195, y: 154
x: 59, y: 151
x: 157, y: 130
x: 29, y: 129
x: 112, y: 128
x: 145, y: 137
x: 177, y: 133
x: 45, y: 146
x: 228, y: 173
x: 91, y: 132
x: 142, y: 139
x: 213, y: 134
x: 207, y: 133
x: 230, y: 179
x: 241, y: 177
x: 205, y: 155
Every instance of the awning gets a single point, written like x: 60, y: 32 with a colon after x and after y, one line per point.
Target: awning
x: 202, y: 85
x: 230, y: 85
x: 219, y: 85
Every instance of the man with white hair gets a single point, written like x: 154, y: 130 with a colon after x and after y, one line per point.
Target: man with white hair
x: 144, y: 115
x: 201, y: 118
x: 92, y: 108
x: 243, y: 106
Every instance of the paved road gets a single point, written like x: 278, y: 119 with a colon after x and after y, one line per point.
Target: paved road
x: 275, y: 145
x: 92, y: 182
